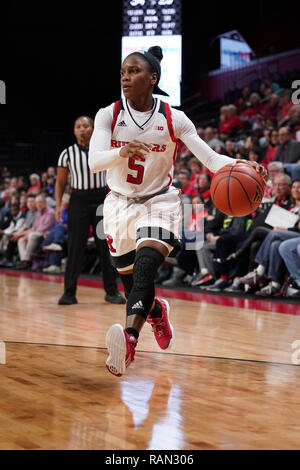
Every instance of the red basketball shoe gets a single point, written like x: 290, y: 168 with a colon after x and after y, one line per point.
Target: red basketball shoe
x: 121, y: 348
x: 161, y: 326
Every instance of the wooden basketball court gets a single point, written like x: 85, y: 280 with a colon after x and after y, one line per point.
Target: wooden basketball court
x: 230, y: 381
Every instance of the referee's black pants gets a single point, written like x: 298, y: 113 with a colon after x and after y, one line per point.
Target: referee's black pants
x: 81, y: 214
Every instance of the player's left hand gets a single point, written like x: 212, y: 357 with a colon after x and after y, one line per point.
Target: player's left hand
x: 259, y: 168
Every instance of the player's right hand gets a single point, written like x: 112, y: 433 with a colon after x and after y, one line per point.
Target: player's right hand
x: 136, y: 150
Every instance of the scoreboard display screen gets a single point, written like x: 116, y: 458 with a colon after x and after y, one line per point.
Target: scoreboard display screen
x: 152, y: 17
x: 149, y: 23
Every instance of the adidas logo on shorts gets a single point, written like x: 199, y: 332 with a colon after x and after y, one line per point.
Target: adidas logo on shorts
x: 139, y: 305
x: 122, y: 124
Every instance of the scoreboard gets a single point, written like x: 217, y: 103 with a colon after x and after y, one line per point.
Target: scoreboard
x: 149, y: 23
x: 152, y: 17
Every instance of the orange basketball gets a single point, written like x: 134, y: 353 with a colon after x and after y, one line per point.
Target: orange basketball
x: 237, y: 189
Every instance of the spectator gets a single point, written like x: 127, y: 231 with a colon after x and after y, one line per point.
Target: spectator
x: 186, y: 187
x: 211, y: 138
x: 230, y: 150
x: 203, y: 187
x: 196, y: 169
x: 243, y: 101
x: 289, y: 250
x: 35, y: 184
x: 288, y: 152
x: 286, y: 107
x: 254, y: 109
x: 16, y: 221
x: 255, y: 155
x: 55, y: 243
x: 294, y: 122
x: 272, y: 148
x: 259, y: 229
x: 23, y: 203
x: 51, y: 172
x: 264, y: 141
x: 50, y: 186
x: 232, y: 123
x: 193, y: 233
x: 29, y: 218
x: 268, y: 259
x: 21, y: 185
x: 44, y: 178
x: 274, y: 169
x: 33, y: 238
x: 271, y: 111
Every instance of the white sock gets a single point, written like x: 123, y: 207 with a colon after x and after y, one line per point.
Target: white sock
x: 275, y: 284
x: 204, y: 271
x: 260, y: 270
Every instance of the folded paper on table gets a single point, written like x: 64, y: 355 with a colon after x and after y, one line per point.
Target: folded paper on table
x: 279, y: 217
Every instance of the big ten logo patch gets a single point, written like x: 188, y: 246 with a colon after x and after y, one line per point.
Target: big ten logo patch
x: 2, y: 92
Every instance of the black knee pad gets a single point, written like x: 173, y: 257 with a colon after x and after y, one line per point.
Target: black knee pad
x: 127, y: 280
x: 141, y: 297
x: 146, y: 264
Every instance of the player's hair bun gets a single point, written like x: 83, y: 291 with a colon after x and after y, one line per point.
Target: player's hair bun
x: 156, y: 51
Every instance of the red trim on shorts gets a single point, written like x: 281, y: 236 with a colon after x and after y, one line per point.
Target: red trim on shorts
x: 115, y: 116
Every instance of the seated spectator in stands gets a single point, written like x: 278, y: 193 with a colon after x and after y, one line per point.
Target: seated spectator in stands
x: 271, y: 111
x: 224, y: 246
x: 254, y: 109
x: 33, y: 238
x: 21, y: 184
x: 271, y: 84
x: 268, y: 259
x: 272, y: 148
x: 200, y: 132
x: 211, y: 138
x: 192, y: 234
x: 16, y: 221
x: 203, y: 186
x: 264, y: 141
x: 231, y: 225
x: 232, y: 123
x: 35, y: 184
x: 50, y: 185
x: 274, y: 169
x: 289, y: 250
x: 23, y: 203
x: 230, y: 149
x: 55, y: 242
x: 259, y: 229
x: 243, y: 101
x: 51, y: 172
x: 294, y: 122
x: 286, y: 107
x: 44, y: 178
x: 5, y: 188
x: 196, y: 169
x: 255, y: 155
x: 288, y: 152
x: 49, y: 198
x: 29, y: 218
x: 186, y: 187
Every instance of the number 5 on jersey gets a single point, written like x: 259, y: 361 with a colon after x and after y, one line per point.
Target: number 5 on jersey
x: 138, y: 179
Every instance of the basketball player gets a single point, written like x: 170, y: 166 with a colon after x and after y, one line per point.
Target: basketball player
x: 135, y: 140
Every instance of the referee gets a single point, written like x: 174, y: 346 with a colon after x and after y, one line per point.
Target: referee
x: 88, y: 192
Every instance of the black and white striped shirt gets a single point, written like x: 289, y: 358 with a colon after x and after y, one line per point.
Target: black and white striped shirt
x: 75, y: 158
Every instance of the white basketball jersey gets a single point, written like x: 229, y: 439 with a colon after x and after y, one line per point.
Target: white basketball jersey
x: 140, y: 178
